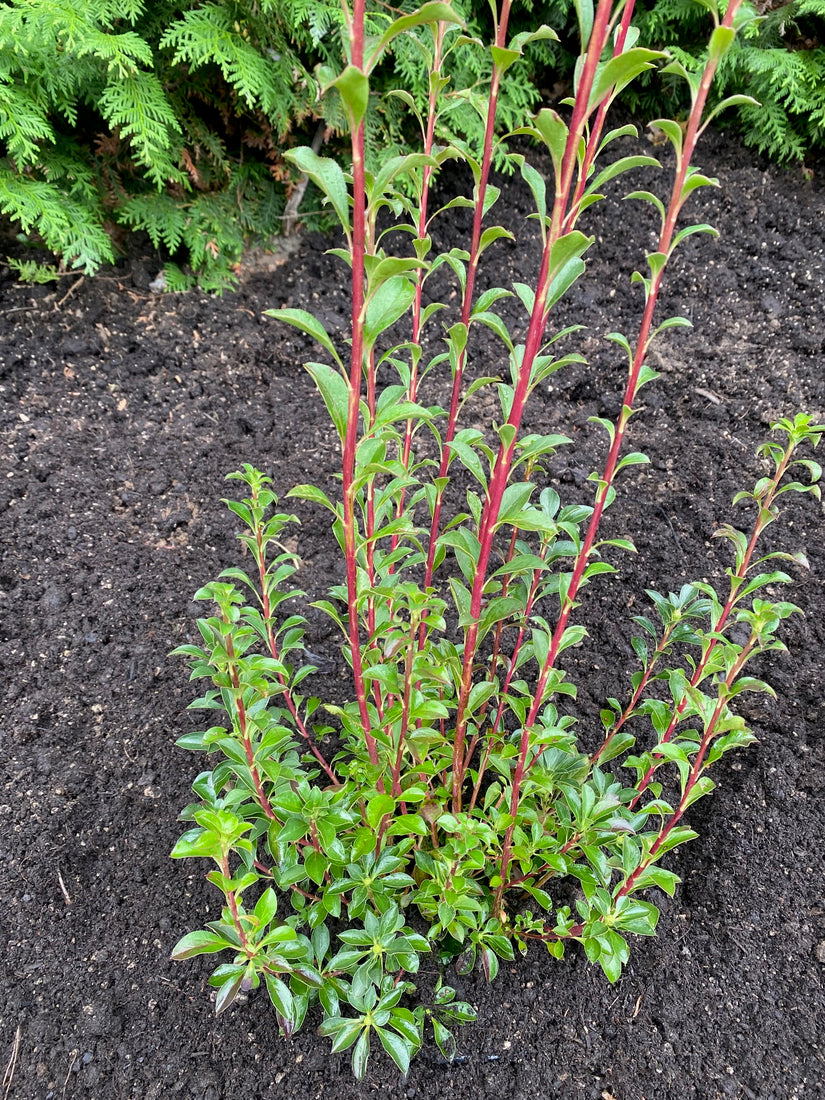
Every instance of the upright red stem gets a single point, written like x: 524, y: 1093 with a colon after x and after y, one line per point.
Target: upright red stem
x: 356, y: 27
x: 736, y: 583
x: 632, y: 387
x: 695, y: 772
x: 469, y: 286
x: 677, y: 200
x: 598, y: 124
x: 535, y: 335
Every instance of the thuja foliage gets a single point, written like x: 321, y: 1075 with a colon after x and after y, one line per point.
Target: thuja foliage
x: 164, y: 117
x: 779, y: 60
x: 173, y: 119
x: 449, y: 808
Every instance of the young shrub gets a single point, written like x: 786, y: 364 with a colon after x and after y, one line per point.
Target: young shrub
x: 440, y: 807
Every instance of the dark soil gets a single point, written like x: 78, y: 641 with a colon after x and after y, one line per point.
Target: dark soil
x: 121, y: 413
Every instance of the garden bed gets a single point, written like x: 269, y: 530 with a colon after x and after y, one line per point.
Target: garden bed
x: 121, y: 412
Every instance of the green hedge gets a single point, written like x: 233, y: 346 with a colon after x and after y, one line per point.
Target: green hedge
x: 172, y: 118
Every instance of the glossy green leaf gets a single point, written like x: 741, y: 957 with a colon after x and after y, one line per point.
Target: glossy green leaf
x: 335, y: 392
x: 280, y: 996
x: 360, y: 1056
x: 228, y: 991
x: 327, y: 175
x: 313, y: 494
x: 199, y: 943
x: 300, y: 319
x: 354, y: 88
x: 397, y: 1047
x: 618, y: 72
x: 378, y: 807
x: 619, y: 167
x: 428, y: 13
x: 389, y: 303
x: 721, y: 41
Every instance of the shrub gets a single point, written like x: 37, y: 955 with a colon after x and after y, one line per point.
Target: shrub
x: 445, y: 804
x: 459, y: 791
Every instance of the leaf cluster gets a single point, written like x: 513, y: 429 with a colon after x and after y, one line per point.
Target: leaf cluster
x: 356, y: 848
x: 449, y: 806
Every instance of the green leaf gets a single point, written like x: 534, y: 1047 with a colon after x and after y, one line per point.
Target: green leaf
x: 493, y: 322
x: 300, y: 319
x: 444, y: 1039
x: 619, y: 71
x: 493, y: 233
x: 648, y: 196
x: 535, y: 181
x: 280, y: 996
x: 360, y: 1056
x: 327, y: 175
x: 504, y: 58
x: 732, y: 101
x: 672, y: 131
x: 343, y: 1029
x: 564, y: 278
x: 267, y: 906
x: 199, y: 943
x: 479, y: 694
x: 618, y: 167
x: 689, y: 230
x: 198, y: 843
x: 397, y: 1047
x: 316, y: 864
x: 635, y: 458
x: 313, y: 494
x: 720, y: 42
x: 335, y: 392
x: 378, y: 807
x: 584, y: 13
x: 354, y: 88
x: 228, y: 991
x: 658, y: 876
x: 428, y: 13
x: 390, y: 302
x: 553, y: 130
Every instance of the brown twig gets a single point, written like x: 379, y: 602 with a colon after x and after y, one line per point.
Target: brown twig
x: 69, y: 292
x: 63, y: 889
x: 11, y: 1065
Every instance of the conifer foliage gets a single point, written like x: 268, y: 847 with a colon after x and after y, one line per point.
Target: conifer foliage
x: 779, y: 61
x: 174, y: 118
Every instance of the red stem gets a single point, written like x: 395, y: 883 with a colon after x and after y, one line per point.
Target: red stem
x: 759, y: 526
x: 245, y: 738
x: 598, y: 124
x: 356, y: 27
x: 300, y: 725
x: 426, y: 177
x: 467, y: 303
x: 627, y: 713
x: 231, y: 901
x: 676, y: 202
x: 695, y: 772
x: 535, y: 335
